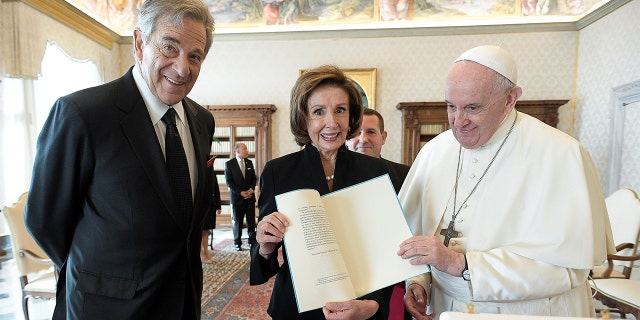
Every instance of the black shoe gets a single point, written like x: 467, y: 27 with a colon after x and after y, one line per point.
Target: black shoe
x: 238, y: 247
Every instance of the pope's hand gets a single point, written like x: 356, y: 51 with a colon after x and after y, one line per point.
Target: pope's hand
x: 430, y: 250
x: 269, y: 233
x: 415, y: 299
x: 352, y: 309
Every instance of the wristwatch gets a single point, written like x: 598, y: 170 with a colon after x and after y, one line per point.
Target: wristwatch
x: 465, y: 273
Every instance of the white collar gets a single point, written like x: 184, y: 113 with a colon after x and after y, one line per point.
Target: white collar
x: 156, y: 108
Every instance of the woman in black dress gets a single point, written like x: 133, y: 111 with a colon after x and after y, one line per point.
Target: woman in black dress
x: 210, y: 222
x: 326, y: 110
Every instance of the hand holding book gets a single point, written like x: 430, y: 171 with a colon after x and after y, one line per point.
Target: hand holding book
x: 343, y: 245
x: 270, y: 232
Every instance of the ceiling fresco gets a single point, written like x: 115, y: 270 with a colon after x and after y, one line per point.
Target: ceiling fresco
x: 120, y: 15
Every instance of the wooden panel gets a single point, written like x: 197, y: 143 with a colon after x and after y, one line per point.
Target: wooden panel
x: 420, y: 114
x: 244, y: 117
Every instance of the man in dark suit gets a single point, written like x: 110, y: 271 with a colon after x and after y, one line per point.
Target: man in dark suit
x: 370, y: 141
x: 103, y: 202
x: 241, y: 180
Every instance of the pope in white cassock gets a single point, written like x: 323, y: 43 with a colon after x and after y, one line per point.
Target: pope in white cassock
x: 507, y: 210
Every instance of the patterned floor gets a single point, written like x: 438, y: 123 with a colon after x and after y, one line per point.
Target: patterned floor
x: 11, y: 296
x: 226, y: 293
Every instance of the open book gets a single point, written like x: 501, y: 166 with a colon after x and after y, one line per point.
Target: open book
x: 344, y: 244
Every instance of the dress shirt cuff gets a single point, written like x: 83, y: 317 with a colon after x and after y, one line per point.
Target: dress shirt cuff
x: 423, y: 280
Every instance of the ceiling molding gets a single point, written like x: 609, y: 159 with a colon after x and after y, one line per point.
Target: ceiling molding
x: 69, y: 15
x: 390, y: 32
x: 604, y: 10
x: 382, y: 30
x: 75, y: 18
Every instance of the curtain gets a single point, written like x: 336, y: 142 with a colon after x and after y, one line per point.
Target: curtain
x: 17, y: 141
x: 29, y: 85
x: 24, y: 34
x: 24, y: 107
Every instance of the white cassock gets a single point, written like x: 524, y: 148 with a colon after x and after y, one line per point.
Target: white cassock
x: 532, y: 230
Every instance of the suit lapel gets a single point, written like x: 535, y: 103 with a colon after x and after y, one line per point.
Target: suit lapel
x: 139, y: 130
x: 237, y: 172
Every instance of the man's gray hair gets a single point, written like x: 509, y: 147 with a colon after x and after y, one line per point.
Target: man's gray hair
x: 154, y: 11
x: 501, y: 84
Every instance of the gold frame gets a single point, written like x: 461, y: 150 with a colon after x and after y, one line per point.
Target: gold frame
x: 366, y: 79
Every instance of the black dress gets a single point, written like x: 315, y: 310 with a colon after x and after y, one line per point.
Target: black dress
x: 210, y: 218
x: 303, y: 169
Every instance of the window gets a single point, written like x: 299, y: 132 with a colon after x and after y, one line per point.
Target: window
x: 24, y: 107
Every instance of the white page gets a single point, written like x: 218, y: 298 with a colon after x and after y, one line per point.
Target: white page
x: 317, y: 269
x: 369, y: 224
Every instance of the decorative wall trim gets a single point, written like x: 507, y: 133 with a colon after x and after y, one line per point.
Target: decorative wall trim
x: 621, y: 97
x: 75, y: 18
x: 595, y: 15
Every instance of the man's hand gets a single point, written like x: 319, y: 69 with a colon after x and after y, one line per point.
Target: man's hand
x: 430, y: 250
x: 415, y: 299
x: 247, y: 194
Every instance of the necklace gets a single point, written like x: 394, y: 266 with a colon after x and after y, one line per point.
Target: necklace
x: 450, y: 231
x: 329, y: 178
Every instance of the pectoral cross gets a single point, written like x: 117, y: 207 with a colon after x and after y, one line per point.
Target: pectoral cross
x: 449, y: 233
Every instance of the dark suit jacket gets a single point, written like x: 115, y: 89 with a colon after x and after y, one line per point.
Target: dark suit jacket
x: 397, y: 172
x: 303, y: 169
x: 102, y: 208
x: 236, y: 182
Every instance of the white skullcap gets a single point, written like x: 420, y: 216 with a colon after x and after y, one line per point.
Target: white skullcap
x: 495, y: 58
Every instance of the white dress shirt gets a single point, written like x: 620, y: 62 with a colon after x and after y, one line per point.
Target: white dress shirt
x: 157, y: 109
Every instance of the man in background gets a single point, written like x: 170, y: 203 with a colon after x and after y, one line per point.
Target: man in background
x: 508, y: 211
x: 120, y: 185
x: 370, y: 141
x: 241, y: 180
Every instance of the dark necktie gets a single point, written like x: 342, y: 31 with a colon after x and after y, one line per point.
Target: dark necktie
x: 178, y: 166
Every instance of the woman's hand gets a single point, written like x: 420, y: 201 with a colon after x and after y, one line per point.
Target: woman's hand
x: 270, y: 232
x: 352, y: 310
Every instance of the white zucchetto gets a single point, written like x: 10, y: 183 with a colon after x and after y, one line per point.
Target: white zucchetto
x: 495, y: 58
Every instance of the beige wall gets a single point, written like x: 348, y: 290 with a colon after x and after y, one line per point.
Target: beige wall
x: 413, y: 69
x: 408, y: 68
x: 609, y: 56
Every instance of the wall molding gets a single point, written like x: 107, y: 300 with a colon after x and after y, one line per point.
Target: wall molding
x: 75, y: 18
x: 621, y: 97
